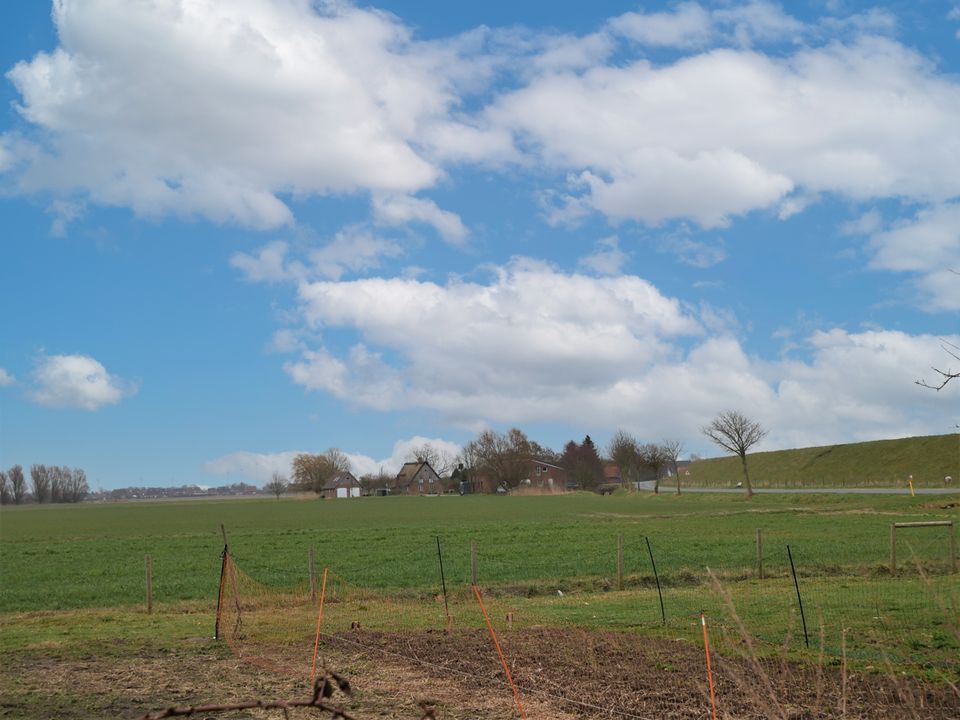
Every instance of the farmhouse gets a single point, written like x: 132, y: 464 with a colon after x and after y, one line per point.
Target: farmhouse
x: 343, y: 485
x: 544, y: 474
x: 417, y: 478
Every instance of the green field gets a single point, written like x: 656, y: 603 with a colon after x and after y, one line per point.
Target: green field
x: 59, y: 558
x: 880, y: 463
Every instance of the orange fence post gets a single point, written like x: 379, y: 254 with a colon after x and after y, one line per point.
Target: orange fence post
x: 316, y: 642
x: 706, y: 648
x: 503, y: 660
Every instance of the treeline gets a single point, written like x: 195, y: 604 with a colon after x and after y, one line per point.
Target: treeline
x: 53, y: 484
x: 502, y: 460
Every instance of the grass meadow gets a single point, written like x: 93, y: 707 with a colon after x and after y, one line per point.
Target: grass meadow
x: 544, y: 560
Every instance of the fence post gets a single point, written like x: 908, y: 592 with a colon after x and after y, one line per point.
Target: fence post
x: 893, y: 548
x: 953, y: 547
x: 148, y: 562
x: 473, y: 562
x: 620, y: 561
x: 313, y: 576
x: 759, y: 553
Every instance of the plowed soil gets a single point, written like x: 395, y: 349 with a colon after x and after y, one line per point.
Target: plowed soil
x: 561, y: 675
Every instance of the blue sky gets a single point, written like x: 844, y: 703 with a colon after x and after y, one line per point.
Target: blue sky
x: 233, y: 231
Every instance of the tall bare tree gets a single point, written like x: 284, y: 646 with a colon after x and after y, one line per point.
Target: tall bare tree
x: 624, y: 450
x: 441, y: 461
x: 654, y: 456
x: 277, y: 485
x: 672, y: 449
x: 59, y: 479
x: 736, y: 433
x: 4, y: 489
x: 76, y: 488
x: 311, y: 472
x: 40, y: 479
x: 502, y: 457
x: 18, y: 484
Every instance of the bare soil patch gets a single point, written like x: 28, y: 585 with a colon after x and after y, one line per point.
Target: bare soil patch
x: 562, y: 675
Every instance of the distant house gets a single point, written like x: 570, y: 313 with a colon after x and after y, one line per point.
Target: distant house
x: 417, y: 478
x: 544, y: 474
x: 344, y: 485
x: 683, y: 467
x: 612, y: 479
x: 533, y: 472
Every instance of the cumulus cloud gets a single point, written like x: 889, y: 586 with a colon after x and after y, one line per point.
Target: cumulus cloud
x: 354, y: 249
x: 223, y: 109
x: 690, y: 25
x: 726, y: 131
x: 928, y: 247
x: 403, y: 209
x: 6, y: 379
x: 219, y: 108
x: 268, y: 264
x: 260, y: 467
x: 607, y: 259
x: 538, y: 345
x: 77, y: 381
x: 461, y: 341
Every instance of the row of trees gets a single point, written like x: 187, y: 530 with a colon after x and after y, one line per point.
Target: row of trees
x: 55, y: 484
x: 504, y: 458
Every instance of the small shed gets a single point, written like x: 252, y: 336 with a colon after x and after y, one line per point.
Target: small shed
x: 343, y: 485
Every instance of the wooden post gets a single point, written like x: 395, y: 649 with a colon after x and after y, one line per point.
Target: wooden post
x: 953, y: 547
x: 893, y: 548
x: 313, y: 576
x: 149, y: 581
x: 473, y: 562
x: 759, y: 554
x: 619, y: 561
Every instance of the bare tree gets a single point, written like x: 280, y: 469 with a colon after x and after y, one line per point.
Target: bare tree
x: 736, y: 433
x: 672, y: 449
x: 624, y: 450
x: 4, y: 489
x: 501, y: 457
x: 59, y: 479
x: 311, y: 472
x: 40, y: 479
x: 76, y: 487
x: 441, y: 461
x: 654, y: 456
x: 277, y: 485
x: 945, y: 375
x: 18, y: 484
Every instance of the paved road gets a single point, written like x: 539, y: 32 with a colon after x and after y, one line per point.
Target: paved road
x: 814, y: 491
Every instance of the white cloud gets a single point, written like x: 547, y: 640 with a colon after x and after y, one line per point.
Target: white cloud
x: 928, y: 247
x: 607, y: 259
x: 402, y: 209
x: 354, y: 249
x: 728, y: 131
x: 689, y: 25
x: 77, y: 381
x: 538, y: 345
x: 465, y: 340
x: 268, y: 265
x: 260, y: 467
x: 218, y: 108
x: 6, y: 379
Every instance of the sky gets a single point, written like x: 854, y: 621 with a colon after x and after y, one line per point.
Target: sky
x: 234, y: 230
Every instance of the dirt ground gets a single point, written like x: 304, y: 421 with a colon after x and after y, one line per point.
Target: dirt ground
x: 561, y: 674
